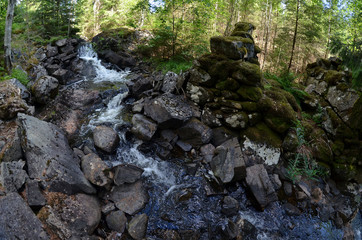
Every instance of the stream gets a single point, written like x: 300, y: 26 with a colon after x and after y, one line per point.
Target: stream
x: 178, y: 199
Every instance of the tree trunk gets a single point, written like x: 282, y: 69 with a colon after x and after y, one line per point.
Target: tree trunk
x: 295, y: 35
x: 267, y: 34
x: 7, y: 37
x: 231, y: 11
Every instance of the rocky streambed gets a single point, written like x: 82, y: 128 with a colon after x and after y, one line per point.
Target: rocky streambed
x: 120, y: 154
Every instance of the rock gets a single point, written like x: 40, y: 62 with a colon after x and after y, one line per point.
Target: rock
x: 51, y: 51
x: 230, y: 206
x: 342, y: 101
x: 232, y: 47
x: 168, y: 110
x: 61, y: 42
x: 95, y: 170
x: 141, y: 86
x: 24, y: 92
x: 220, y: 135
x: 17, y: 220
x: 276, y: 182
x: 230, y: 230
x: 269, y: 154
x: 291, y: 210
x: 143, y: 127
x: 197, y: 94
x: 200, y: 77
x: 12, y: 175
x: 105, y: 138
x: 121, y: 59
x: 169, y: 136
x: 247, y: 73
x: 236, y: 120
x: 250, y: 93
x: 211, y: 118
x: 12, y: 149
x: 49, y: 157
x: 137, y: 227
x: 195, y: 133
x: 258, y: 181
x: 116, y: 221
x: 129, y: 197
x: 62, y: 75
x: 109, y: 207
x: 33, y: 194
x: 11, y: 102
x: 67, y: 49
x: 38, y: 72
x: 45, y: 89
x: 184, y: 146
x: 248, y: 230
x: 228, y: 163
x: 207, y: 151
x: 169, y: 82
x: 77, y: 216
x: 40, y: 54
x: 52, y: 68
x: 127, y: 173
x: 183, y: 195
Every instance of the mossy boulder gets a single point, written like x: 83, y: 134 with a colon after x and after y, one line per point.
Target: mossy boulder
x: 355, y: 120
x: 231, y: 104
x: 332, y: 77
x: 198, y: 76
x: 242, y: 34
x: 338, y: 147
x: 244, y: 26
x: 257, y: 49
x: 222, y: 70
x: 250, y: 93
x: 261, y: 133
x: 208, y: 61
x: 229, y: 84
x: 230, y: 95
x: 249, y: 106
x: 232, y: 47
x: 247, y: 73
x: 344, y: 172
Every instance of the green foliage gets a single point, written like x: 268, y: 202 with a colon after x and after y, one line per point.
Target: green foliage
x: 286, y: 80
x: 303, y: 163
x: 18, y: 74
x: 175, y: 64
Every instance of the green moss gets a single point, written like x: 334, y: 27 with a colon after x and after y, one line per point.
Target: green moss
x: 260, y: 133
x: 229, y: 84
x: 332, y: 77
x: 232, y: 104
x: 247, y: 73
x: 207, y: 61
x: 257, y: 49
x: 241, y: 34
x: 229, y: 95
x: 355, y: 121
x: 243, y: 26
x: 250, y: 106
x: 250, y: 93
x: 278, y: 124
x: 344, y: 172
x: 338, y: 147
x: 342, y: 87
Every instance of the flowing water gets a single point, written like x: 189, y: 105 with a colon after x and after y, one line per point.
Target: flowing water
x: 168, y: 181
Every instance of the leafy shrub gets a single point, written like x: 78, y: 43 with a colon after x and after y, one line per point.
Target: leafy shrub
x: 175, y: 64
x: 18, y: 74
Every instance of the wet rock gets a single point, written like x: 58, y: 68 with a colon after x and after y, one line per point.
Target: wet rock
x: 195, y: 133
x: 168, y: 110
x: 184, y: 146
x: 230, y: 206
x: 45, y: 89
x: 183, y: 195
x: 138, y: 106
x: 230, y: 230
x: 167, y: 234
x: 116, y: 221
x: 129, y: 197
x: 12, y: 175
x: 248, y: 230
x: 11, y: 102
x: 127, y: 173
x: 49, y: 157
x: 33, y: 194
x: 17, y: 220
x: 95, y: 170
x: 137, y: 227
x: 143, y: 127
x: 121, y: 59
x: 228, y: 163
x: 169, y: 82
x: 77, y: 216
x: 258, y: 181
x: 291, y: 210
x: 51, y: 51
x: 105, y: 138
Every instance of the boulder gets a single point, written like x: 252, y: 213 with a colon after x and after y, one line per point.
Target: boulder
x: 197, y: 94
x: 129, y: 197
x: 168, y: 110
x: 62, y: 75
x: 236, y: 120
x: 200, y: 77
x: 233, y: 47
x: 67, y: 49
x: 127, y: 173
x: 228, y: 163
x: 24, y: 92
x: 247, y: 73
x: 17, y: 220
x: 45, y: 89
x: 11, y: 102
x: 95, y: 170
x: 34, y: 195
x: 262, y: 188
x: 230, y: 206
x: 74, y: 216
x: 137, y: 227
x: 143, y: 127
x: 121, y: 59
x: 116, y: 221
x: 12, y: 175
x: 61, y: 42
x: 207, y: 151
x: 51, y: 51
x: 195, y: 133
x: 40, y: 54
x: 105, y: 138
x: 170, y: 82
x: 52, y: 68
x: 49, y: 157
x: 342, y: 102
x: 11, y: 151
x: 38, y: 72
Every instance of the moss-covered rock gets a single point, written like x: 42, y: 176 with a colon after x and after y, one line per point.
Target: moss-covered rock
x: 222, y: 70
x: 355, y: 120
x: 344, y: 172
x: 337, y: 147
x: 237, y: 120
x: 229, y: 84
x: 232, y: 47
x: 249, y: 106
x: 230, y: 95
x: 242, y: 34
x: 261, y: 133
x: 332, y: 77
x: 199, y: 76
x: 231, y: 104
x: 250, y: 93
x: 247, y: 73
x: 244, y: 26
x: 257, y: 49
x: 208, y: 61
